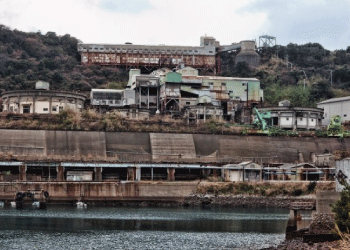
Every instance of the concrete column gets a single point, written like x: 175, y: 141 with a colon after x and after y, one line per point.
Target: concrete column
x: 307, y: 121
x: 299, y: 174
x: 152, y: 174
x: 140, y: 96
x: 76, y: 103
x: 294, y: 120
x: 138, y: 174
x: 65, y: 102
x: 8, y: 105
x: 34, y: 104
x: 326, y: 172
x: 279, y: 119
x: 60, y: 173
x: 22, y: 173
x: 131, y: 175
x: 171, y: 174
x: 98, y: 173
x: 148, y: 97
x: 19, y: 105
x: 50, y: 104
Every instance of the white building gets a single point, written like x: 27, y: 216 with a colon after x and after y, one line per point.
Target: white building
x: 41, y: 100
x: 335, y: 106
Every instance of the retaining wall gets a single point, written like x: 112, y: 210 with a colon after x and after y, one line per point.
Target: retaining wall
x: 102, y: 191
x: 139, y: 146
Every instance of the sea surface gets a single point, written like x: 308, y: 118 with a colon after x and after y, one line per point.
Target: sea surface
x: 66, y: 227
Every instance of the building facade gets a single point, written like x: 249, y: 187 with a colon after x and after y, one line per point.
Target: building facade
x: 335, y: 106
x: 295, y: 117
x: 41, y: 101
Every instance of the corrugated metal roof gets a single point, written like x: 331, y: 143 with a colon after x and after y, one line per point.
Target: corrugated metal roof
x: 340, y: 99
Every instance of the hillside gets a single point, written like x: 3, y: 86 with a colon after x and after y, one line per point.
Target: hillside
x: 28, y: 57
x: 283, y: 70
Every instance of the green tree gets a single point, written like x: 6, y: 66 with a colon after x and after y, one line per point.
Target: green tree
x: 321, y: 91
x: 342, y: 207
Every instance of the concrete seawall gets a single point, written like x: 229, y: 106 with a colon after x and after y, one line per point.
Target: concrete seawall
x: 103, y: 191
x: 149, y: 147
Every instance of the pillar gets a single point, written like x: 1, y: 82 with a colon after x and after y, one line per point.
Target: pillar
x: 34, y: 104
x: 131, y: 174
x: 307, y: 121
x: 171, y: 174
x: 60, y: 173
x: 299, y: 174
x: 50, y: 104
x: 22, y: 173
x: 19, y: 105
x: 294, y: 121
x: 326, y: 172
x: 8, y: 104
x: 98, y: 173
x: 138, y: 174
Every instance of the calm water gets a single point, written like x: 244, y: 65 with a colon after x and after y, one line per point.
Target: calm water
x: 141, y: 228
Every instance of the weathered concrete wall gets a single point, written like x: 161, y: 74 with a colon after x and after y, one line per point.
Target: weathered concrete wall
x: 172, y: 146
x: 75, y: 143
x: 172, y: 189
x: 324, y: 200
x: 263, y: 146
x: 139, y: 146
x: 99, y: 191
x: 128, y: 142
x: 23, y: 142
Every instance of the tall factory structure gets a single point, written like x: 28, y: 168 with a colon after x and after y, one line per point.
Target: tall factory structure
x: 205, y: 58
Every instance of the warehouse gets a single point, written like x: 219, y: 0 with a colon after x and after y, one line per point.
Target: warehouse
x: 335, y: 106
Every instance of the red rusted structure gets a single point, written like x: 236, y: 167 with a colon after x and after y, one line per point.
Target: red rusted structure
x: 205, y: 57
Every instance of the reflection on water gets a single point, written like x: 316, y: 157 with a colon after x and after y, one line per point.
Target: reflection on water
x: 141, y: 228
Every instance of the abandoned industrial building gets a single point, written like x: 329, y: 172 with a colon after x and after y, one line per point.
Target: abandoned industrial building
x: 205, y: 57
x: 287, y: 117
x: 42, y: 100
x: 184, y: 93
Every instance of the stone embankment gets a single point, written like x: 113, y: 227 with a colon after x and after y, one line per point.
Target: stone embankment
x: 244, y: 200
x: 298, y: 244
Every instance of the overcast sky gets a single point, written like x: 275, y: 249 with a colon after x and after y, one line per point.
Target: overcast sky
x: 182, y: 22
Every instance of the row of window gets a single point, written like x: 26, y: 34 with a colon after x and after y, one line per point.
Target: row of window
x: 301, y: 119
x: 26, y: 109
x: 118, y: 50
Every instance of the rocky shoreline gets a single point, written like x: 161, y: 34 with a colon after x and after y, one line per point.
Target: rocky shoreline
x: 298, y: 244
